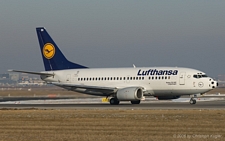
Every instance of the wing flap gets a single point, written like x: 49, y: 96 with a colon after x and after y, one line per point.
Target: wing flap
x: 91, y: 89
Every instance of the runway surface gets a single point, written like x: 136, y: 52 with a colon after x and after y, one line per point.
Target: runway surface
x: 219, y: 104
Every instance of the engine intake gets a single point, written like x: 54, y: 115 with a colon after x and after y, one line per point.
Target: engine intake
x: 130, y: 94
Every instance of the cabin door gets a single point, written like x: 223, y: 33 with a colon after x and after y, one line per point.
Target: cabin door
x: 182, y: 78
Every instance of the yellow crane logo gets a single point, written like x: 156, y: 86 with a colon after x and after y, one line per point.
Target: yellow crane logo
x: 48, y: 50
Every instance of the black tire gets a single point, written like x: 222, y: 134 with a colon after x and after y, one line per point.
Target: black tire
x: 136, y: 102
x: 114, y: 101
x: 192, y: 101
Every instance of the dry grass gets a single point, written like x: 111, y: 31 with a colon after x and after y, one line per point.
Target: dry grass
x: 111, y: 125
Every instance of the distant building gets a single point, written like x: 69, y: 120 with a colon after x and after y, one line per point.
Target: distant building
x: 14, y: 76
x: 4, y: 76
x: 7, y: 78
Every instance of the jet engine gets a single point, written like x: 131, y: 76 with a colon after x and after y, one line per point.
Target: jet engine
x: 130, y: 94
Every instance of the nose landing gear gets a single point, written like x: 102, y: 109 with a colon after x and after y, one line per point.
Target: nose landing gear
x: 192, y: 101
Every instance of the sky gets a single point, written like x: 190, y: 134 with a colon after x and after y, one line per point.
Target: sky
x: 116, y: 33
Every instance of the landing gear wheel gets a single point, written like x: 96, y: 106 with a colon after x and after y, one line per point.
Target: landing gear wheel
x: 192, y: 101
x: 114, y: 101
x: 135, y: 102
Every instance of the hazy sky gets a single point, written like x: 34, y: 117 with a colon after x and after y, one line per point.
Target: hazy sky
x: 116, y: 33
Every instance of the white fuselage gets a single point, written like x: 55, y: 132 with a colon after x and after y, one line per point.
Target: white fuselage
x: 156, y: 81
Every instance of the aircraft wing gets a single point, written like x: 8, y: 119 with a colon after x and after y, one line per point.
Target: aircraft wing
x: 31, y: 72
x: 94, y: 90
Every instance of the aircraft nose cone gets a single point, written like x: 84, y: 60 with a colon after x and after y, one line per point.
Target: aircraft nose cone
x: 214, y: 84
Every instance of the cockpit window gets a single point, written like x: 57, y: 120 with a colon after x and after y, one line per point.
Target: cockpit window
x: 199, y: 76
x: 195, y: 76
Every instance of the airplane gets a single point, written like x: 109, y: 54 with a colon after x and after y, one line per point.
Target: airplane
x: 119, y: 84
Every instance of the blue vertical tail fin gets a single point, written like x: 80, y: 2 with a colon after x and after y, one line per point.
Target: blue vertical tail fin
x: 53, y: 58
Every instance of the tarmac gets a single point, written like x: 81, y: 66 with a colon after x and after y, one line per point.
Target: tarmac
x: 96, y: 103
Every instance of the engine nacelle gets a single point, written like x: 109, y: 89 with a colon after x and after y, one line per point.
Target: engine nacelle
x: 167, y: 97
x: 130, y: 94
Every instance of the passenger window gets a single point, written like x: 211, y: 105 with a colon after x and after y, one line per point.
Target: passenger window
x: 162, y: 77
x: 87, y: 79
x: 136, y: 78
x: 84, y: 79
x: 105, y: 78
x: 130, y: 78
x: 111, y: 78
x: 155, y: 77
x: 168, y: 77
x: 120, y: 78
x: 124, y: 78
x: 159, y: 77
x: 143, y: 78
x: 152, y: 77
x: 78, y: 79
x: 149, y: 78
x: 139, y: 78
x: 81, y: 79
x: 127, y: 78
x: 165, y: 77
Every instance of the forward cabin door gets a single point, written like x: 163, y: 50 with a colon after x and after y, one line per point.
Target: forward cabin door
x: 182, y: 78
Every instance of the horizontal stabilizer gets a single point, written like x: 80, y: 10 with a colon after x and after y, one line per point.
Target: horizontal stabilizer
x: 31, y: 72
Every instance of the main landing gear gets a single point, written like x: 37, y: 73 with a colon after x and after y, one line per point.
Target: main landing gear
x: 114, y: 101
x: 192, y: 101
x: 135, y: 102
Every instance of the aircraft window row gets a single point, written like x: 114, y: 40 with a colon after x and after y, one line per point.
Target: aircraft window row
x: 163, y: 77
x: 110, y: 78
x: 121, y: 78
x: 199, y: 76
